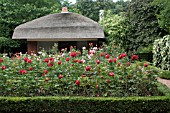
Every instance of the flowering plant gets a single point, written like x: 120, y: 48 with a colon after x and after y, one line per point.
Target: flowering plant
x: 92, y: 72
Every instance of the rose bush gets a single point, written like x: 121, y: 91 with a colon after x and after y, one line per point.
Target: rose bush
x: 91, y: 72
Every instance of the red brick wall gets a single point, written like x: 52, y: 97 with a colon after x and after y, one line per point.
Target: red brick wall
x: 32, y: 47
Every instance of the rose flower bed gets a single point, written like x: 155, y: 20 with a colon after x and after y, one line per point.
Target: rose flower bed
x: 92, y: 73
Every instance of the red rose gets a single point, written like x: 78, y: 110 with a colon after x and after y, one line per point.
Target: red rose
x: 118, y: 64
x: 60, y: 76
x: 59, y: 62
x: 97, y: 86
x: 29, y: 61
x: 45, y: 71
x: 90, y: 52
x: 111, y: 74
x: 110, y: 60
x: 114, y: 60
x: 101, y: 54
x: 122, y: 55
x: 22, y: 71
x: 43, y: 74
x: 3, y: 67
x: 30, y: 68
x: 26, y: 59
x: 146, y: 64
x: 46, y: 60
x: 134, y: 57
x: 1, y: 60
x: 50, y: 64
x: 80, y: 61
x: 128, y: 63
x: 88, y: 68
x: 77, y: 82
x: 107, y: 80
x: 73, y: 54
x: 82, y: 76
x: 75, y: 60
x: 97, y: 61
x: 107, y: 56
x: 67, y: 59
x: 51, y: 59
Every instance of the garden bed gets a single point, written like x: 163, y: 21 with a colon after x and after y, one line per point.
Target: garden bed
x: 90, y: 81
x: 90, y: 73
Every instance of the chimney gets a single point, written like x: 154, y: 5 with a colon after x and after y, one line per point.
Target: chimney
x: 64, y: 10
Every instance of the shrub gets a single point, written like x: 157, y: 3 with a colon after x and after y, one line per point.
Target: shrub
x: 161, y: 53
x: 85, y: 105
x: 164, y: 74
x: 93, y: 72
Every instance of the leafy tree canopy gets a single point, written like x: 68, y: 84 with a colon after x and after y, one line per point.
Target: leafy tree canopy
x: 163, y: 13
x: 16, y: 12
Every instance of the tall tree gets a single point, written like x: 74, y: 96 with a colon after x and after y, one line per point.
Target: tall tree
x: 91, y: 8
x: 14, y: 13
x: 142, y: 24
x: 163, y: 13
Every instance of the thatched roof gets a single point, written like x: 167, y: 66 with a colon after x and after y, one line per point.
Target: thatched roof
x: 61, y: 25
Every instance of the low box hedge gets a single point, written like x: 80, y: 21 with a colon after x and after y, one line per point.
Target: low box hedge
x: 165, y: 74
x: 53, y: 104
x: 156, y: 104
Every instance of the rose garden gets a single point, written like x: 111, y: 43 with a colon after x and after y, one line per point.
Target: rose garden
x: 93, y: 72
x: 91, y: 56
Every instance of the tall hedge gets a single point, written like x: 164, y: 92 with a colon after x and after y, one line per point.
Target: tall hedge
x: 161, y: 53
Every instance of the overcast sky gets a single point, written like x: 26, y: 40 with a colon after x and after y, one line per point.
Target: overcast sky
x: 74, y: 1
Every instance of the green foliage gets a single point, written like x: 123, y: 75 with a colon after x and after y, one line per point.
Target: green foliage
x: 14, y: 13
x: 134, y: 30
x: 145, y: 53
x: 163, y: 13
x: 85, y: 105
x: 164, y: 89
x: 147, y: 49
x: 142, y: 25
x: 91, y: 8
x: 161, y: 53
x: 114, y: 27
x: 120, y: 6
x: 98, y: 74
x: 6, y: 42
x: 164, y: 74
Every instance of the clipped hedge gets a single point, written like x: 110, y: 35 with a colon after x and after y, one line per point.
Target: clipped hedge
x: 152, y: 104
x: 156, y: 104
x: 165, y: 74
x: 161, y: 53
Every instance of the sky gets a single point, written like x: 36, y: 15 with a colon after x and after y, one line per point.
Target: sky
x: 74, y: 1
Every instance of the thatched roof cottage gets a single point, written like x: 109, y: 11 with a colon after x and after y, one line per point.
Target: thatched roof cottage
x: 65, y: 28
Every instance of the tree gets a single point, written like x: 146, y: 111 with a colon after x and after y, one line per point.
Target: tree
x: 16, y: 12
x: 135, y: 29
x: 142, y: 24
x: 91, y: 8
x: 113, y: 26
x: 163, y: 13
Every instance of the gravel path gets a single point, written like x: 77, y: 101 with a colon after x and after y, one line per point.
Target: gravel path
x: 164, y: 81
